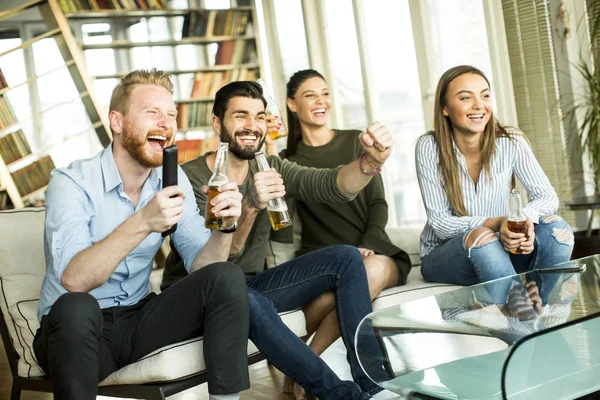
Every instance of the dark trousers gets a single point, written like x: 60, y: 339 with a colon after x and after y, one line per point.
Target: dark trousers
x: 78, y: 344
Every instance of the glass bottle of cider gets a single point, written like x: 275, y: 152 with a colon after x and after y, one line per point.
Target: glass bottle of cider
x: 516, y: 220
x: 272, y: 110
x: 218, y: 178
x: 276, y: 208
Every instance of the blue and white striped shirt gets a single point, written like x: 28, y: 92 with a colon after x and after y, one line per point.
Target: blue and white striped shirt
x: 490, y: 198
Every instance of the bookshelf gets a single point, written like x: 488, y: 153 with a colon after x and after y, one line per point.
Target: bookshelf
x: 25, y: 171
x: 205, y: 49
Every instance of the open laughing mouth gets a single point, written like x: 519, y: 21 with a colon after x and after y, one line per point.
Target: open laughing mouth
x: 319, y: 112
x: 158, y: 142
x: 476, y: 117
x: 248, y: 138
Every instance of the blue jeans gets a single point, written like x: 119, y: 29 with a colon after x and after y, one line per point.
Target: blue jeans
x: 339, y: 269
x: 452, y: 263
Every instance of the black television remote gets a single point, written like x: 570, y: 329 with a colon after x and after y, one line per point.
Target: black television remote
x: 169, y: 177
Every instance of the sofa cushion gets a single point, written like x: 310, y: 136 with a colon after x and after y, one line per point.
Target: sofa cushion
x: 408, y: 239
x: 22, y: 269
x: 175, y: 361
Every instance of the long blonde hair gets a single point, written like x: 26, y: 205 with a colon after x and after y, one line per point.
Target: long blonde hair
x: 443, y: 136
x: 119, y: 100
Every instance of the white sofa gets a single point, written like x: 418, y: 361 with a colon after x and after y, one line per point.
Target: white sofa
x: 22, y: 268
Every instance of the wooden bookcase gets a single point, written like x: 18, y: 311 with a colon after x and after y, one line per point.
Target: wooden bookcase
x: 196, y: 32
x: 233, y: 32
x: 24, y: 174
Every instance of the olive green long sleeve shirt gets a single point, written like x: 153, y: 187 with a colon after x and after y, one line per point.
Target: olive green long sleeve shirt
x: 360, y: 222
x: 303, y: 183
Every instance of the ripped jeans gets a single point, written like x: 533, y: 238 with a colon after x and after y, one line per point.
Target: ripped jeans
x: 452, y: 263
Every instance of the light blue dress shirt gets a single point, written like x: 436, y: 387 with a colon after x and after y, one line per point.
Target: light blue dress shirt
x: 85, y: 202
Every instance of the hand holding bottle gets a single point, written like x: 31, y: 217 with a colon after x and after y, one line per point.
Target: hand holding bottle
x: 275, y: 127
x: 226, y: 203
x: 269, y: 186
x: 514, y: 233
x: 222, y: 207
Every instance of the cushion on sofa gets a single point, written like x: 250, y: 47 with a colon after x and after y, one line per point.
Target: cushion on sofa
x: 22, y: 269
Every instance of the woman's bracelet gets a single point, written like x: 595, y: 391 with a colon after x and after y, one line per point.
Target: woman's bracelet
x: 362, y: 158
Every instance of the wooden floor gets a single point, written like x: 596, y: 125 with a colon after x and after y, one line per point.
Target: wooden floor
x: 265, y: 381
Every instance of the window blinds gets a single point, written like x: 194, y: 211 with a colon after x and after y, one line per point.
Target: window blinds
x: 535, y: 77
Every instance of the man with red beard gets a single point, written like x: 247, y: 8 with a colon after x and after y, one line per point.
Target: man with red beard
x: 240, y: 120
x: 104, y: 218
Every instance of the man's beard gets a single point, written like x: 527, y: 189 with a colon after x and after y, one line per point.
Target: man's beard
x: 135, y: 144
x: 240, y: 151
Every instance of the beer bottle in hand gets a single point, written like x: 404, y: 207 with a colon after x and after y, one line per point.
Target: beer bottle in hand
x: 516, y: 219
x: 218, y: 178
x: 277, y: 208
x: 272, y: 110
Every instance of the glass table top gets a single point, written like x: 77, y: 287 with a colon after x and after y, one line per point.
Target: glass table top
x: 528, y: 336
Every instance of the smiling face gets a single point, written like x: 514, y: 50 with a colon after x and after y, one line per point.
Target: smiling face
x: 149, y: 124
x: 244, y: 125
x: 468, y: 104
x: 311, y: 102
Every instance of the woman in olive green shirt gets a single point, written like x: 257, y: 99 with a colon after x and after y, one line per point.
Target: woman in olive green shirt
x: 360, y: 222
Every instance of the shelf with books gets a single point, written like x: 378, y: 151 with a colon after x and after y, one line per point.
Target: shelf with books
x: 114, y: 5
x: 126, y: 44
x: 188, y: 149
x: 222, y: 40
x: 25, y: 166
x: 213, y: 68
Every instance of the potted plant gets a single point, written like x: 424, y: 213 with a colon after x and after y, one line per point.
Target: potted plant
x: 586, y: 111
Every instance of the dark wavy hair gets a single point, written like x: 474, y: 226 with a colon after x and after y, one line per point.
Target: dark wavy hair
x: 248, y: 89
x: 294, y: 129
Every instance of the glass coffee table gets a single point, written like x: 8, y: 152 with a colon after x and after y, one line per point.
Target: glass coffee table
x: 534, y: 335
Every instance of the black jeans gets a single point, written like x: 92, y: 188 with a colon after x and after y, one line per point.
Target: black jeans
x: 78, y: 344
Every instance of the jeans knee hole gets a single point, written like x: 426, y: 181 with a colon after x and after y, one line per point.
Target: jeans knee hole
x: 564, y: 236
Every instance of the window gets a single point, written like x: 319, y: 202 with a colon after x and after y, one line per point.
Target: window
x: 456, y: 35
x: 57, y: 95
x: 344, y: 62
x: 403, y: 65
x: 292, y: 37
x: 396, y: 81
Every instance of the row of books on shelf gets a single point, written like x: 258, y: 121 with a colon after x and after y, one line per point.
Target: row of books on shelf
x: 238, y: 51
x: 206, y: 84
x: 196, y: 114
x: 206, y: 23
x: 7, y: 114
x: 97, y: 5
x: 188, y: 149
x: 14, y: 146
x: 34, y: 176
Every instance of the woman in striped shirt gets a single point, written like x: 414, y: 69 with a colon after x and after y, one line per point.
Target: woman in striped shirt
x: 465, y: 168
